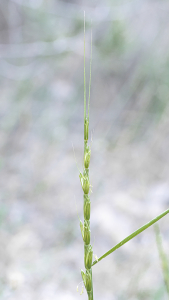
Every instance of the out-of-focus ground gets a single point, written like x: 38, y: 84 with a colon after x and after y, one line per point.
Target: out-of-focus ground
x: 41, y: 116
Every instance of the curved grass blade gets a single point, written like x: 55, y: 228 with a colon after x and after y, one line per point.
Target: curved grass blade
x: 131, y: 236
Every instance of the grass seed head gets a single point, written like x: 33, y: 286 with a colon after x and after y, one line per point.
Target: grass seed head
x: 87, y: 155
x: 84, y: 179
x: 86, y: 207
x: 88, y: 281
x: 87, y: 232
x: 86, y: 185
x: 88, y: 256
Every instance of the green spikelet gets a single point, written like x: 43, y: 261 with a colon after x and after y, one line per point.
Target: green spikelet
x: 88, y: 256
x: 86, y: 207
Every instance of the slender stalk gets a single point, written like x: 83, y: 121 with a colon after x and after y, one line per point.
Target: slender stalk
x: 90, y: 77
x: 84, y: 178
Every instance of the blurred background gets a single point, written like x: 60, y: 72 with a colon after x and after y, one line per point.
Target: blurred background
x: 41, y: 117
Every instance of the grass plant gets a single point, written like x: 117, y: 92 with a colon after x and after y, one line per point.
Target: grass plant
x: 85, y: 183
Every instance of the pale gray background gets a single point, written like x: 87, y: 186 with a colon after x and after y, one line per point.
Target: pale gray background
x: 41, y: 116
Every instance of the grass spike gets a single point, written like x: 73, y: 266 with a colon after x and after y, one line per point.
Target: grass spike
x: 85, y: 182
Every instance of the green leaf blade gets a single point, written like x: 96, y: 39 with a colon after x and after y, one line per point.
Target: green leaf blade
x: 131, y: 236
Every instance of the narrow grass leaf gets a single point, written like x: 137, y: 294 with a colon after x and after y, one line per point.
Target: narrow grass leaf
x: 131, y: 236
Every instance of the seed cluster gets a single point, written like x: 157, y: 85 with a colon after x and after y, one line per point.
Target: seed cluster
x: 85, y: 228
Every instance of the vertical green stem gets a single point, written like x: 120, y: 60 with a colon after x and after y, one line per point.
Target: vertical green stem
x: 90, y: 77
